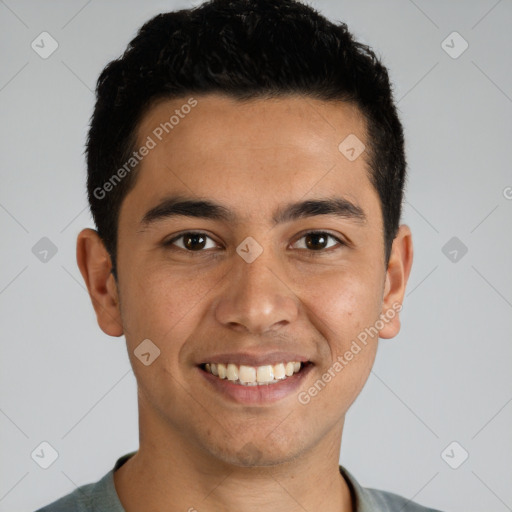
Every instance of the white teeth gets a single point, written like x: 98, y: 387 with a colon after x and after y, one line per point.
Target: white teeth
x: 279, y: 371
x: 265, y: 373
x: 247, y: 374
x: 252, y: 376
x: 232, y: 372
x: 221, y: 368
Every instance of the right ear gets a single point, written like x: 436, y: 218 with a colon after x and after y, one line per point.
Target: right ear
x: 95, y: 266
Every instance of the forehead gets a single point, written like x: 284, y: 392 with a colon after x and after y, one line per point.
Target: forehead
x: 217, y: 122
x: 255, y: 151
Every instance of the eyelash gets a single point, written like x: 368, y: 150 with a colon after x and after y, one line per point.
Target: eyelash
x: 312, y: 253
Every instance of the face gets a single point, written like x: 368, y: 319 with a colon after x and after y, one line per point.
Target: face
x: 276, y: 257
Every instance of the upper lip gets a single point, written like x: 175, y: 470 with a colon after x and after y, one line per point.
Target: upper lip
x: 255, y: 359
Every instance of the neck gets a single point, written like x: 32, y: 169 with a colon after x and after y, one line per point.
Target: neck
x: 169, y: 472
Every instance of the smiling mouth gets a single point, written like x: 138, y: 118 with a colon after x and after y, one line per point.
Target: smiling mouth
x: 254, y: 375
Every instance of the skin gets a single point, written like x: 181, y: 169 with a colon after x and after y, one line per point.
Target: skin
x: 198, y: 449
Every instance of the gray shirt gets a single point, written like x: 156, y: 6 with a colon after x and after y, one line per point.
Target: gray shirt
x: 102, y: 497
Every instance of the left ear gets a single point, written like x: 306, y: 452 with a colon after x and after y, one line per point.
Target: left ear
x: 397, y: 274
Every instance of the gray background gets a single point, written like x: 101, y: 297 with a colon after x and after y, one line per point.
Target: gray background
x: 445, y: 378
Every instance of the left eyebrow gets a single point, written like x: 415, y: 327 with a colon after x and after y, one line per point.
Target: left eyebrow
x: 175, y: 206
x: 337, y: 206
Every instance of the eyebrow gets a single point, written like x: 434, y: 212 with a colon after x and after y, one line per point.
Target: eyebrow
x: 179, y: 206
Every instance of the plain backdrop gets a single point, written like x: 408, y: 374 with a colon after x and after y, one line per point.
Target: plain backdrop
x: 446, y: 378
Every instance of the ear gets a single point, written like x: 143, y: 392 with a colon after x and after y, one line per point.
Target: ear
x: 397, y: 274
x: 95, y: 266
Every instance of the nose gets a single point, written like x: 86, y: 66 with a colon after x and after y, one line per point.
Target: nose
x: 256, y: 297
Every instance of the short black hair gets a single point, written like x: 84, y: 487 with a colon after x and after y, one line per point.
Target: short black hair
x: 244, y: 49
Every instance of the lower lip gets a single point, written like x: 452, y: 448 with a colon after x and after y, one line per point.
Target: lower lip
x: 259, y: 394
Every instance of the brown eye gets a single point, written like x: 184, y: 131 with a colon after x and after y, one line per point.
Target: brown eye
x: 194, y: 241
x: 191, y: 242
x: 318, y: 241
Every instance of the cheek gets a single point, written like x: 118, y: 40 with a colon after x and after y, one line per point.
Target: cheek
x: 344, y: 307
x: 162, y: 307
x: 343, y: 302
x: 160, y: 302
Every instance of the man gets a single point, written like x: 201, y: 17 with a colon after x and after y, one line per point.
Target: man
x: 245, y: 173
